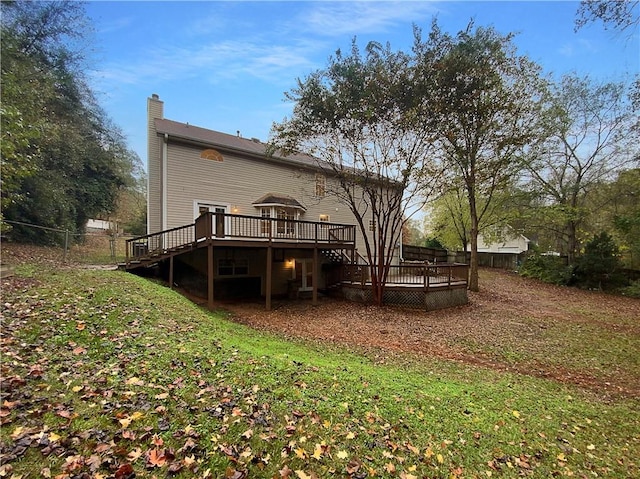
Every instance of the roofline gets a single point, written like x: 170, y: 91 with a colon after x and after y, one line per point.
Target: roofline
x: 231, y: 149
x: 296, y: 207
x: 328, y: 170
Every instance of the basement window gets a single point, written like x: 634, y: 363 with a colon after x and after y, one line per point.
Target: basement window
x: 233, y: 267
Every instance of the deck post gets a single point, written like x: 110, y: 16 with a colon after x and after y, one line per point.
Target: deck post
x: 171, y: 272
x: 424, y: 277
x: 428, y: 276
x: 269, y: 272
x: 314, y: 277
x: 210, y: 277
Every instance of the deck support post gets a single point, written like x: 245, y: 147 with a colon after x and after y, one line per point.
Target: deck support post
x: 171, y: 272
x: 210, y: 272
x: 314, y: 278
x: 269, y: 273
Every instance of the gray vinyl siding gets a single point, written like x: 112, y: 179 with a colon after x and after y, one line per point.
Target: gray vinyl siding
x: 238, y: 182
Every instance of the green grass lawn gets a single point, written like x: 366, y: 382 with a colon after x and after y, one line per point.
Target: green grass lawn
x: 109, y: 375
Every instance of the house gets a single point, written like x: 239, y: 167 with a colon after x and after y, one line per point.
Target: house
x: 227, y: 218
x: 505, y: 249
x: 262, y: 206
x: 100, y: 226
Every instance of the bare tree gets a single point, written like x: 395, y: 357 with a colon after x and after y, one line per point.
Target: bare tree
x: 590, y: 139
x: 620, y: 14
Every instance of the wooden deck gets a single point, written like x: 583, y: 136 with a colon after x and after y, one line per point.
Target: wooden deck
x: 237, y: 231
x: 407, y: 283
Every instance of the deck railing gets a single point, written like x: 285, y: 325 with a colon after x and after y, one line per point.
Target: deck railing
x: 424, y: 275
x: 239, y: 227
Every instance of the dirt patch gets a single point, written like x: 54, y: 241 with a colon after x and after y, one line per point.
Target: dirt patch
x: 511, y: 314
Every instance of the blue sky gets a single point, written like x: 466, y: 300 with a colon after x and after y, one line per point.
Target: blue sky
x: 226, y: 65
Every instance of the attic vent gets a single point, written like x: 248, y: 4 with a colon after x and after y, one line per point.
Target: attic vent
x: 211, y: 155
x: 255, y: 140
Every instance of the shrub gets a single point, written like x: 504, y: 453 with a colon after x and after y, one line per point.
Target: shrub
x: 599, y: 266
x: 547, y: 268
x: 633, y: 290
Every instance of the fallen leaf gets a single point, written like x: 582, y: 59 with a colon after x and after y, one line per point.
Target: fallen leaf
x: 413, y: 449
x: 134, y: 455
x: 125, y: 471
x: 156, y: 458
x: 353, y: 466
x: 157, y: 440
x: 285, y: 472
x: 515, y: 413
x: 342, y: 454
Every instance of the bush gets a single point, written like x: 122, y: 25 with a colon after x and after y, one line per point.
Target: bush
x: 633, y: 290
x: 599, y: 266
x: 547, y: 268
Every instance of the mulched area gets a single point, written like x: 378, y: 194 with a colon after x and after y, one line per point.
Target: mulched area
x: 509, y: 311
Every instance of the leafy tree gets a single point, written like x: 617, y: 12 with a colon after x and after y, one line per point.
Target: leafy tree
x: 361, y: 116
x: 619, y: 14
x: 483, y: 99
x: 449, y: 221
x: 412, y: 234
x: 131, y: 210
x: 63, y: 161
x: 589, y: 139
x: 617, y: 210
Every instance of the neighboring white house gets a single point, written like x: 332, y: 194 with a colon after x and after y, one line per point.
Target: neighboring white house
x: 509, y: 242
x: 100, y: 225
x: 504, y: 250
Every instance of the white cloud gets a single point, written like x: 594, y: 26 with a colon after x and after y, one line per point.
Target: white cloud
x: 338, y: 18
x: 216, y: 61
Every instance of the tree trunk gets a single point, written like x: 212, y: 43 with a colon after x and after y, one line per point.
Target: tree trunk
x: 572, y: 242
x: 473, y: 266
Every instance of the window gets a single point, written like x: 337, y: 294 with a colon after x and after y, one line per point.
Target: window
x: 324, y: 218
x: 233, y: 267
x: 265, y: 226
x: 285, y: 221
x: 321, y: 185
x: 372, y: 225
x: 211, y: 155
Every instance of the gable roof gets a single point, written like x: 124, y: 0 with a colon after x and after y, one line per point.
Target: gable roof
x: 230, y: 143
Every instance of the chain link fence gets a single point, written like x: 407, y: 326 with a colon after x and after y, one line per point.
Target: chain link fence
x: 92, y: 247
